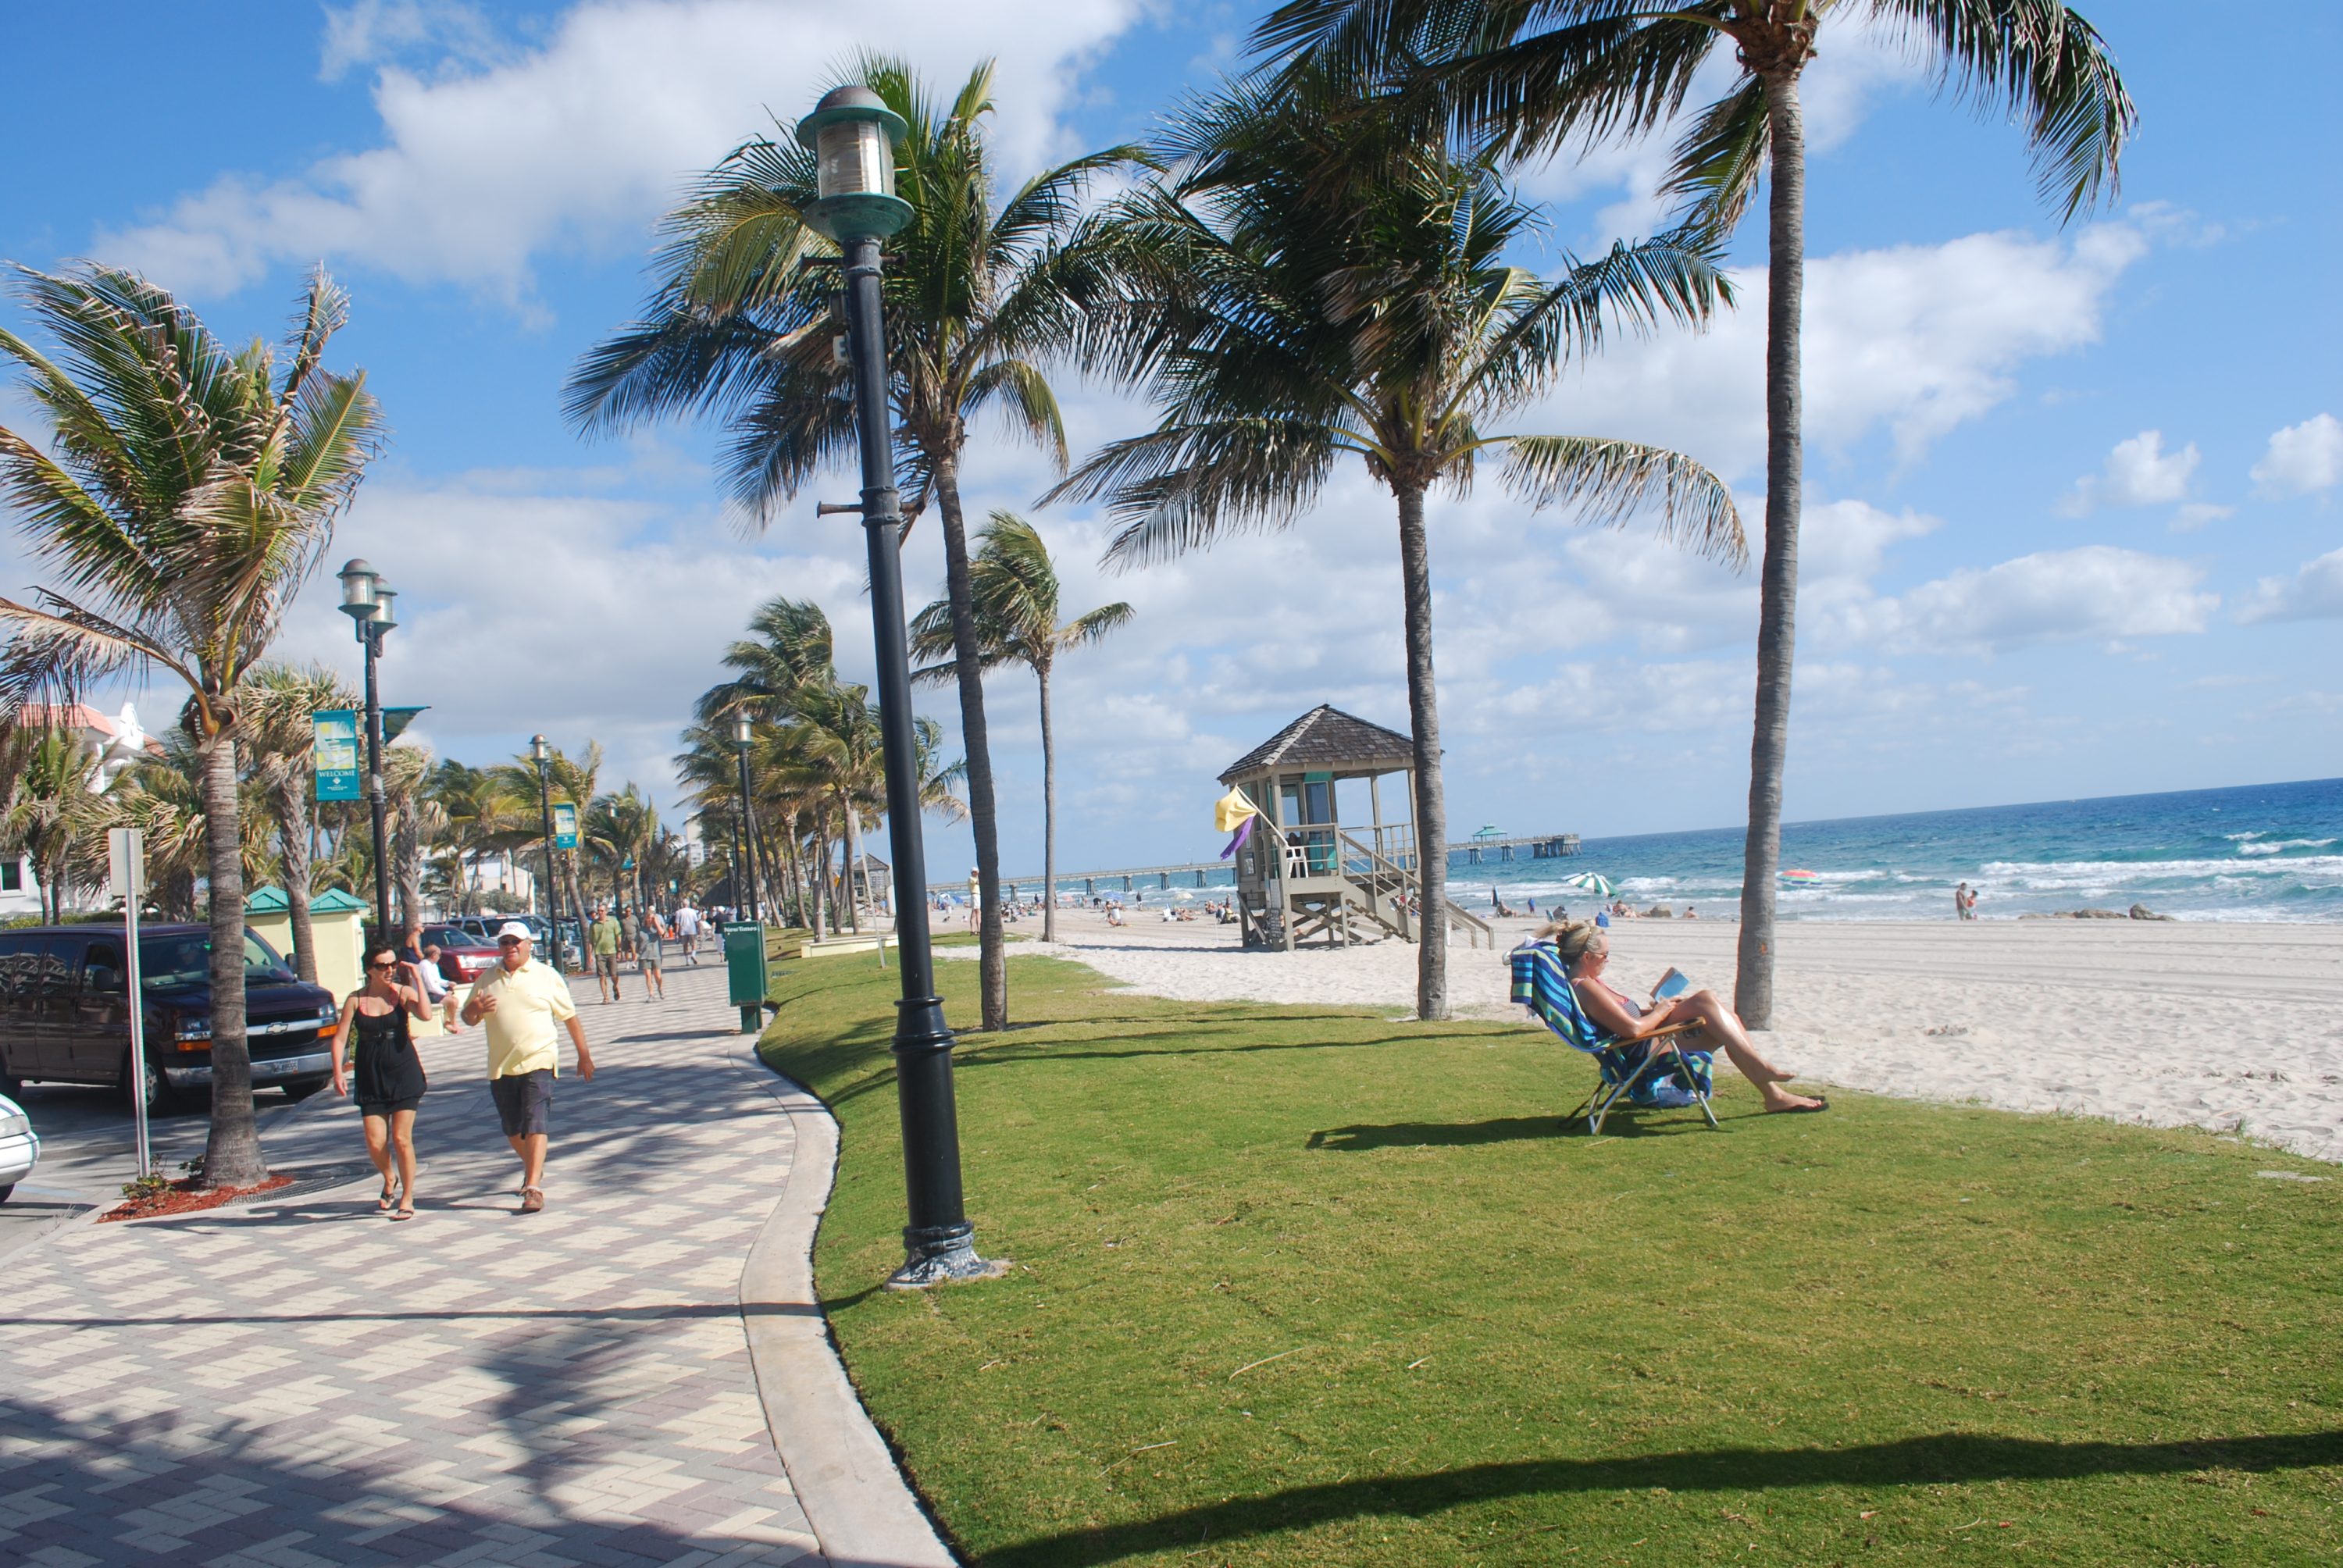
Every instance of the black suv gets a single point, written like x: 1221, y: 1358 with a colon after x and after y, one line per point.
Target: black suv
x: 63, y: 1016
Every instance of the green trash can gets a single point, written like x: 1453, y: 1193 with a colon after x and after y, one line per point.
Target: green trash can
x: 744, y: 969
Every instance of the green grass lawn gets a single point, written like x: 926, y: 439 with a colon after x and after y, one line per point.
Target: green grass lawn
x: 1295, y: 1286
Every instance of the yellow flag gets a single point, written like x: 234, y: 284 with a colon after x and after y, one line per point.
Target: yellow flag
x: 1231, y: 810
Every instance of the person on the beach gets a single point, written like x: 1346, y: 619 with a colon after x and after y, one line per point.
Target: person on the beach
x: 1961, y: 902
x: 687, y: 932
x: 436, y: 988
x: 520, y: 1002
x: 389, y: 1073
x: 649, y: 940
x: 1587, y: 949
x: 603, y: 937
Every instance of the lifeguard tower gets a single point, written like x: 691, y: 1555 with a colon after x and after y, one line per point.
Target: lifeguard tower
x: 1306, y: 874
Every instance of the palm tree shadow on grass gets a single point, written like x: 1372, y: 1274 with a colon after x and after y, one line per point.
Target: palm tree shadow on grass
x: 1936, y: 1458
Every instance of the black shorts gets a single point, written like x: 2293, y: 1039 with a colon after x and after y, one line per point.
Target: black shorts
x: 525, y: 1101
x: 389, y: 1107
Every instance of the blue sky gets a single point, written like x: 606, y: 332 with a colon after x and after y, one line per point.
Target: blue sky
x: 2073, y: 523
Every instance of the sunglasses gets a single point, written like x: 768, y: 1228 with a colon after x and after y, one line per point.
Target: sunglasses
x: 383, y: 964
x: 510, y: 941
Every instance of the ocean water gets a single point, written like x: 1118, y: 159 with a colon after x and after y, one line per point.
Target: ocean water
x: 2257, y: 852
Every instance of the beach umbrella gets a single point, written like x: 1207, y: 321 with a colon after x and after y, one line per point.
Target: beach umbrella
x: 1802, y: 876
x: 1593, y: 882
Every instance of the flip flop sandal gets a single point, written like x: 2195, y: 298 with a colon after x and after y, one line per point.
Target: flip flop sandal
x: 532, y: 1200
x: 402, y: 1213
x: 382, y: 1205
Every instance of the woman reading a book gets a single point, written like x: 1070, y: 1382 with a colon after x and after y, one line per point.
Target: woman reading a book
x: 1587, y: 949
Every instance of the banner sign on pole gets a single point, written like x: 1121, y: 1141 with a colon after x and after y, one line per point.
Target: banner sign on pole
x: 336, y: 754
x: 565, y: 826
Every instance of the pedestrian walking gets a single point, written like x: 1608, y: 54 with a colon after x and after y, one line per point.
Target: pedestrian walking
x: 687, y: 932
x: 603, y: 937
x: 519, y: 1000
x: 649, y: 940
x: 390, y: 1072
x: 630, y: 922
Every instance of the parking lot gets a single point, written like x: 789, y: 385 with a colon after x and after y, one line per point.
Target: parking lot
x: 87, y: 1151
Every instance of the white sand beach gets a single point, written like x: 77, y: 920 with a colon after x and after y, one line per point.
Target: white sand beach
x: 2237, y: 1028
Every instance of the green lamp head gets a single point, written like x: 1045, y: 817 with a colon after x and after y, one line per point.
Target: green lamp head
x: 853, y: 136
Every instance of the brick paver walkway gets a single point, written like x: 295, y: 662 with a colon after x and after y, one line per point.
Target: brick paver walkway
x: 310, y: 1384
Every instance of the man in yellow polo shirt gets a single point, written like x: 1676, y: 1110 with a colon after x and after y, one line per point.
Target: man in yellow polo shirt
x: 520, y: 1001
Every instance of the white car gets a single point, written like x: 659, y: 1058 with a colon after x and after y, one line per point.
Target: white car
x: 20, y: 1146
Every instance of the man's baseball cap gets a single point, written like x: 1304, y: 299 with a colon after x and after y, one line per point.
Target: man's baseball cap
x: 513, y: 929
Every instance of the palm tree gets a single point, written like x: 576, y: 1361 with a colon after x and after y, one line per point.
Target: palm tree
x: 186, y: 493
x: 415, y: 823
x: 280, y: 737
x: 1339, y: 286
x: 48, y: 772
x: 1542, y: 74
x: 1014, y: 584
x: 164, y: 798
x: 976, y: 292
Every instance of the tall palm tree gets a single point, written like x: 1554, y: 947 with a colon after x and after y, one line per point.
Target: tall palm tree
x: 1340, y: 287
x: 977, y: 292
x: 1014, y: 584
x: 48, y: 770
x: 185, y: 494
x: 572, y: 781
x: 280, y: 739
x: 1541, y: 73
x: 416, y: 823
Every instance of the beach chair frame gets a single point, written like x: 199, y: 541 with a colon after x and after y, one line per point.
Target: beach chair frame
x: 1542, y: 984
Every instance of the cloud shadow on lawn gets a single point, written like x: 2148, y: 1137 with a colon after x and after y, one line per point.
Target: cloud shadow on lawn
x: 1941, y: 1458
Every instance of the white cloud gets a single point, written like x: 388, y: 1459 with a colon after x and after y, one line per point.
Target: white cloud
x: 1912, y: 340
x: 2197, y: 514
x: 2302, y: 459
x: 2139, y: 473
x: 2096, y: 591
x: 578, y: 143
x: 2313, y: 592
x: 369, y: 32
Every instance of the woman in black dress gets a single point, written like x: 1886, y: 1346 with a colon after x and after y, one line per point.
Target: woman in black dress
x: 390, y: 1072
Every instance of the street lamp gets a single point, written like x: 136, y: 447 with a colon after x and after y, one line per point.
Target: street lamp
x: 743, y: 735
x: 368, y: 600
x: 542, y: 755
x: 852, y: 134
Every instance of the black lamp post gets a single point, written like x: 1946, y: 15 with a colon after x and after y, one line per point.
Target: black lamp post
x: 368, y: 600
x: 543, y: 754
x: 744, y: 735
x: 852, y: 134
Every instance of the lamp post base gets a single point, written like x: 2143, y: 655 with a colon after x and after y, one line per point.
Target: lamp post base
x: 943, y: 1256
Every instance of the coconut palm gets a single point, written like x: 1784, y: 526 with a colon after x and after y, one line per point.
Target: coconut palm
x: 1542, y: 72
x: 48, y: 772
x: 415, y: 823
x: 1339, y: 286
x: 977, y: 291
x: 1014, y: 584
x: 185, y: 493
x: 280, y: 739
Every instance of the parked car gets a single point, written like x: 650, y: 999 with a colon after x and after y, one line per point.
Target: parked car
x: 20, y: 1146
x: 63, y: 1016
x: 463, y: 954
x: 573, y: 947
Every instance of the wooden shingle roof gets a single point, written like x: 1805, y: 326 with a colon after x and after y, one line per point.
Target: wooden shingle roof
x: 1327, y: 738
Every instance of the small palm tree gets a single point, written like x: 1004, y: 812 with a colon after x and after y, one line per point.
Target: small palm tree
x: 1540, y: 74
x: 977, y: 292
x: 280, y: 741
x: 185, y: 494
x: 1338, y: 284
x: 1014, y: 584
x: 48, y: 772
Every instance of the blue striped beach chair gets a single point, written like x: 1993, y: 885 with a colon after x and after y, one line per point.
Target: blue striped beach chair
x: 1656, y: 1070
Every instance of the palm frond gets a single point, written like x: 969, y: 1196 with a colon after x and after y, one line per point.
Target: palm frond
x: 1612, y: 482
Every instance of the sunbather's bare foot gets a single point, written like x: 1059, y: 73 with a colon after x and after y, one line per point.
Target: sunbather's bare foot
x: 1776, y: 1098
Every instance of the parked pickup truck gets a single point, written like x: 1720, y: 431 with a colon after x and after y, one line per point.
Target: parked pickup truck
x: 64, y: 1019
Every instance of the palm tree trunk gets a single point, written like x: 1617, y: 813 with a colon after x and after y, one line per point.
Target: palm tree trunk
x: 293, y: 832
x: 1430, y: 801
x: 1777, y: 594
x: 1049, y: 814
x: 232, y: 1157
x: 992, y: 962
x: 853, y: 863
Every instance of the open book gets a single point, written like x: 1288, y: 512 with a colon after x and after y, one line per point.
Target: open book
x: 1672, y: 984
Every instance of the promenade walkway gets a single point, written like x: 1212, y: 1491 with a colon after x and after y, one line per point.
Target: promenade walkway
x: 304, y: 1382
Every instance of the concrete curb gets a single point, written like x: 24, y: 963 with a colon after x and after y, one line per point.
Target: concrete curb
x: 861, y: 1508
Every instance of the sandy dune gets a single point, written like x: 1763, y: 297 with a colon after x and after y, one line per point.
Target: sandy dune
x: 2236, y: 1027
